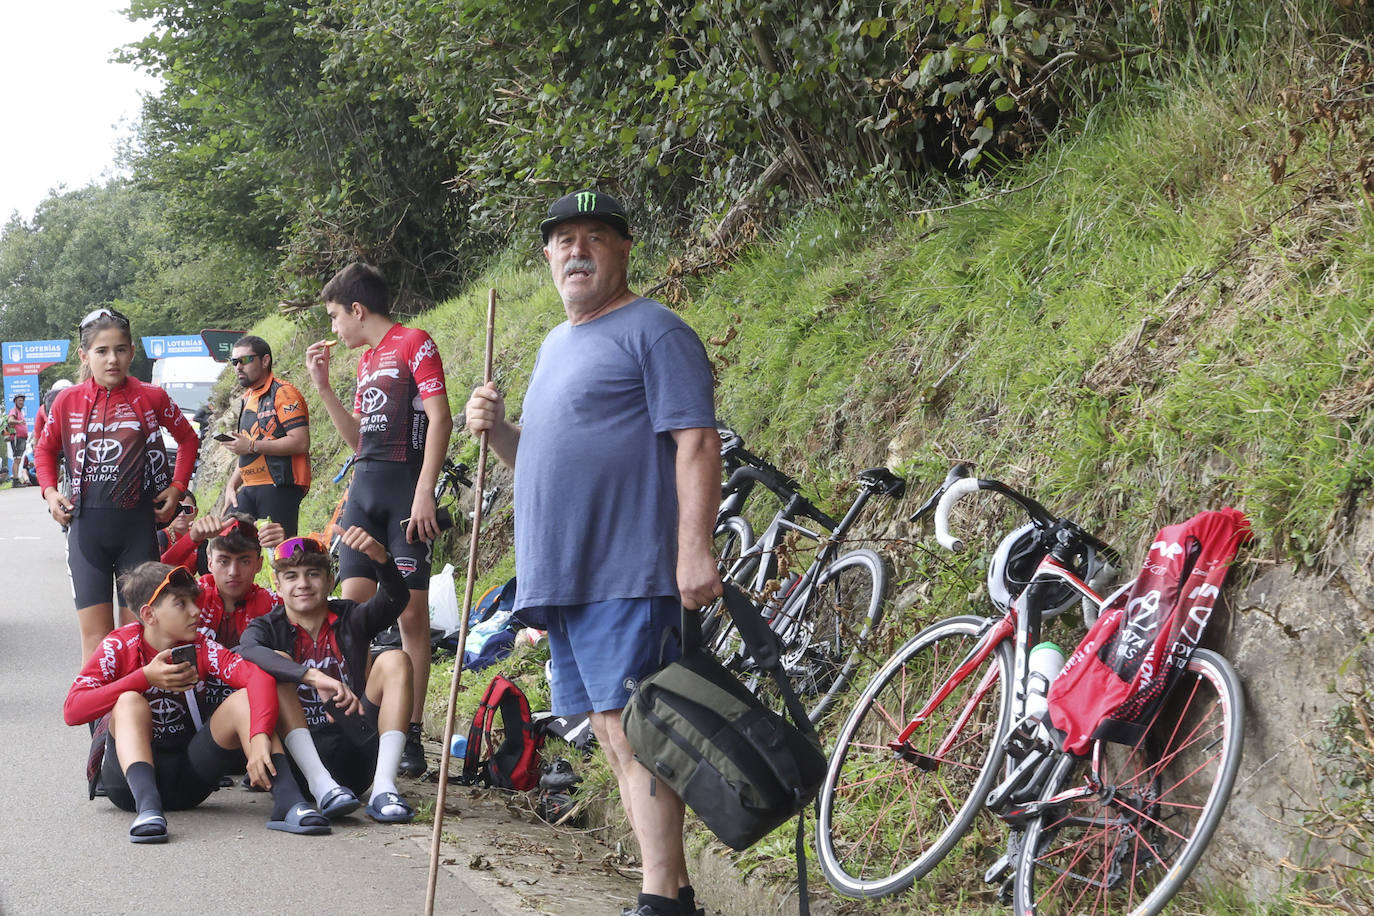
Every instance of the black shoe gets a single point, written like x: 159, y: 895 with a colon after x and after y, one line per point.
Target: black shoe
x: 558, y: 776
x: 642, y: 910
x: 413, y: 757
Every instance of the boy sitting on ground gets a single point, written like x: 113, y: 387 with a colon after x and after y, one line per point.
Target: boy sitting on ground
x: 322, y: 644
x: 161, y: 753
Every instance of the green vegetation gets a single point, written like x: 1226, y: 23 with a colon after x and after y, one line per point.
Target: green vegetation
x: 1136, y: 324
x: 1165, y: 308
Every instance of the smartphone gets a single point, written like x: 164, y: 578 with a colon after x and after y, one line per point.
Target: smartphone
x: 184, y: 653
x: 223, y: 437
x: 442, y: 517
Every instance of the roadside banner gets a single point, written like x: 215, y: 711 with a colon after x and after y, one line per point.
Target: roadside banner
x: 23, y: 360
x: 179, y: 345
x: 220, y: 342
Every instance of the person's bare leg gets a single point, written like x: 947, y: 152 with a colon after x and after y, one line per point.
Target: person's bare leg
x: 389, y: 686
x: 357, y: 588
x: 655, y: 811
x: 414, y: 625
x: 131, y: 723
x: 97, y: 621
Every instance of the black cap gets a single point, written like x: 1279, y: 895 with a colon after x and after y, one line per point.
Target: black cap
x: 586, y: 204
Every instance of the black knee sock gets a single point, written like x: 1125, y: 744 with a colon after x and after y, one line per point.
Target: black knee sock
x: 142, y: 780
x: 286, y: 793
x: 687, y: 899
x: 664, y: 906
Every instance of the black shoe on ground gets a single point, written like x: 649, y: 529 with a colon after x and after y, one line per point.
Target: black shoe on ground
x: 558, y: 776
x: 413, y: 757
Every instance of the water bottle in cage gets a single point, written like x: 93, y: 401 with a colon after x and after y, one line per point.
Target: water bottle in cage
x: 1045, y: 662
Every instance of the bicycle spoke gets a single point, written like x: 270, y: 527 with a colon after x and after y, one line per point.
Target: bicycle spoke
x: 1127, y: 846
x: 886, y: 817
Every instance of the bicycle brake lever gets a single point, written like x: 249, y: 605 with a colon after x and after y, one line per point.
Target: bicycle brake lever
x: 956, y: 473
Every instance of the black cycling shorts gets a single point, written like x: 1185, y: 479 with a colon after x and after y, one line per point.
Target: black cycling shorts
x: 350, y: 757
x: 185, y: 777
x: 379, y: 499
x: 103, y: 544
x: 281, y: 504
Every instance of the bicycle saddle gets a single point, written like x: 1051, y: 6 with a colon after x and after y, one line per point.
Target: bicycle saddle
x: 883, y: 481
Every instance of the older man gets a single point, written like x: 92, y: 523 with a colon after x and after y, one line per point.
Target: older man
x: 272, y: 441
x: 617, y: 479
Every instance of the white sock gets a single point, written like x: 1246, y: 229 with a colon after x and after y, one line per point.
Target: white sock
x: 302, y: 749
x: 390, y: 746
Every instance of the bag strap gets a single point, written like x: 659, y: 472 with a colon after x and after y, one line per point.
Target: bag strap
x: 479, y: 734
x: 762, y: 644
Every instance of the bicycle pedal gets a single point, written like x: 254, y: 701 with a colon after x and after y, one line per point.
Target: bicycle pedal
x: 999, y: 870
x: 1026, y: 736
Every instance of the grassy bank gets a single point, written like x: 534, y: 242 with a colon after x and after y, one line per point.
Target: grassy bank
x: 1154, y: 316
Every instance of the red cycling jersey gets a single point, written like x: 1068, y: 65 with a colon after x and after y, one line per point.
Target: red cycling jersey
x: 116, y: 668
x: 394, y: 379
x: 112, y: 440
x: 321, y: 653
x: 226, y: 626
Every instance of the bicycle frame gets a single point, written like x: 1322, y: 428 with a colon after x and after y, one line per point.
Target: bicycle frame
x: 1021, y: 624
x: 764, y: 550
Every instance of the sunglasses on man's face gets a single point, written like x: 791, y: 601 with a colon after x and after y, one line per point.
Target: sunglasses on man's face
x: 242, y: 360
x: 177, y: 577
x: 295, y: 546
x: 186, y: 509
x: 99, y: 313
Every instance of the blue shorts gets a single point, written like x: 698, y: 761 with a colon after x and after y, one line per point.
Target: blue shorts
x: 599, y: 651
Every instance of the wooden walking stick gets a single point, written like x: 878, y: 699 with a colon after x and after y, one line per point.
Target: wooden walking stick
x: 445, y: 754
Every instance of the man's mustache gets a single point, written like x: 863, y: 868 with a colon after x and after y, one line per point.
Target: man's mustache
x: 586, y: 264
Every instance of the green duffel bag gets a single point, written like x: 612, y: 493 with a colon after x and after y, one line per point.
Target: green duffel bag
x: 742, y: 768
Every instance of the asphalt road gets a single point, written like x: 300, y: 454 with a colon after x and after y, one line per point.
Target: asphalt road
x: 61, y: 852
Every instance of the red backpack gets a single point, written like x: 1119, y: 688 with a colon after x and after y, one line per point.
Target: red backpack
x: 1133, y: 655
x: 515, y: 763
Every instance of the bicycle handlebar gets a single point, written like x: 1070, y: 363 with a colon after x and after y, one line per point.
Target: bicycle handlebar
x: 952, y: 494
x: 784, y: 487
x: 957, y: 485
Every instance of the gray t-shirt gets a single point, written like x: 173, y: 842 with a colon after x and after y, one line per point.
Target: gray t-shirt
x: 595, y: 493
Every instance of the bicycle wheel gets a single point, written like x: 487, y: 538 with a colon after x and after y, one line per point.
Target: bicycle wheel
x: 733, y: 537
x: 1129, y: 845
x: 885, y: 819
x: 824, y: 645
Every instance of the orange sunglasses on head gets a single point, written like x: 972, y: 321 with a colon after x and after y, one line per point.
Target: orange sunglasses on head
x: 178, y: 577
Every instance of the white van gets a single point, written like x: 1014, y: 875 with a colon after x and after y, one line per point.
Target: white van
x: 188, y: 379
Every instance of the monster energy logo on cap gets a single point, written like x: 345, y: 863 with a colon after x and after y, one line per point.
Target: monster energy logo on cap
x: 586, y: 204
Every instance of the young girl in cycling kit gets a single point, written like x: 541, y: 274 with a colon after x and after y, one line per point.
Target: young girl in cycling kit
x: 109, y: 429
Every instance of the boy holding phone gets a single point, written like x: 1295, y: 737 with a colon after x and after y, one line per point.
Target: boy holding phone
x: 145, y: 684
x: 353, y: 721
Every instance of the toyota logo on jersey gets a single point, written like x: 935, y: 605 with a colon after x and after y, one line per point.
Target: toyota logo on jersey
x: 373, y: 400
x: 104, y: 451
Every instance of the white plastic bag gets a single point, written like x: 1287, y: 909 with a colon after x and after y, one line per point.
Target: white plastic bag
x: 443, y: 601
